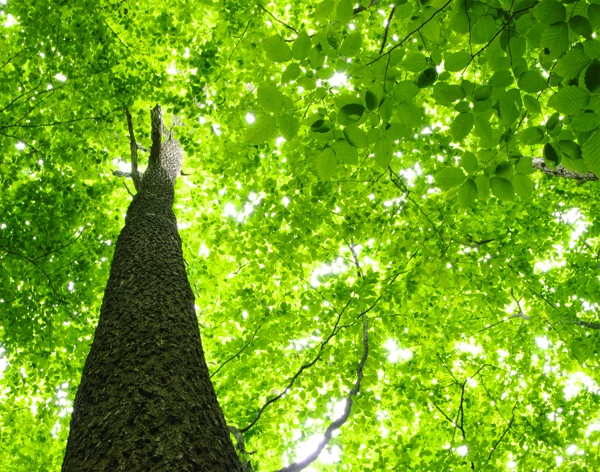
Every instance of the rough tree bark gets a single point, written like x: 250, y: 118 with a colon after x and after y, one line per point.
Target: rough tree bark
x: 145, y: 402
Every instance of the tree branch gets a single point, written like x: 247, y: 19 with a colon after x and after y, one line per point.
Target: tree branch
x: 337, y: 424
x: 387, y: 29
x: 560, y: 171
x: 157, y: 125
x: 236, y: 354
x: 588, y: 324
x: 277, y: 19
x: 137, y: 181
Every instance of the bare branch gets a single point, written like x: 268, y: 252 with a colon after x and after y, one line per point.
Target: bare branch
x: 560, y: 171
x: 239, y: 444
x: 588, y: 324
x: 337, y: 424
x: 137, y: 181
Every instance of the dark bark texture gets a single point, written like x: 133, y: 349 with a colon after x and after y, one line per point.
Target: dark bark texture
x: 145, y: 402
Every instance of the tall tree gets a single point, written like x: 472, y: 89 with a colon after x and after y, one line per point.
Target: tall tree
x: 145, y: 401
x: 388, y: 213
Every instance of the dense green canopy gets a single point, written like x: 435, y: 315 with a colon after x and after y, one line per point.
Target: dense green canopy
x: 344, y: 163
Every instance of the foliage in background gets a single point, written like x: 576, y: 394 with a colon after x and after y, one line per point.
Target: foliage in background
x: 344, y: 161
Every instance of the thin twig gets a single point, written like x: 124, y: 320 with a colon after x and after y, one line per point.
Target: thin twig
x: 277, y: 19
x: 387, y: 28
x: 412, y: 32
x: 236, y: 354
x: 503, y: 434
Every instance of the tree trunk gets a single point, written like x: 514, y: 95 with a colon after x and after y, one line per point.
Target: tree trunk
x: 145, y: 402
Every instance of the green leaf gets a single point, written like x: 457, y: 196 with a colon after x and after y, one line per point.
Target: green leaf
x: 483, y: 130
x: 592, y: 76
x: 427, y: 77
x: 555, y: 41
x: 323, y: 9
x: 569, y: 99
x: 450, y: 177
x: 386, y: 109
x: 289, y: 126
x: 483, y: 186
x: 549, y: 12
x: 581, y: 25
x: 460, y: 22
x: 504, y: 169
x: 408, y: 113
x: 327, y: 163
x: 356, y: 137
x: 383, y: 152
x: 482, y: 93
x: 351, y: 45
x: 591, y: 153
x: 594, y: 14
x: 484, y: 29
x: 270, y: 98
x: 469, y: 162
x: 510, y: 105
x: 291, y: 72
x: 524, y: 165
x: 446, y: 94
x: 572, y: 64
x: 261, y: 130
x: 462, y: 126
x: 585, y: 121
x: 344, y: 11
x: 277, y: 50
x: 371, y: 100
x: 572, y: 158
x: 456, y: 61
x: 467, y: 194
x: 502, y: 189
x: 523, y: 185
x: 532, y: 135
x: 502, y: 79
x: 415, y: 62
x: 345, y: 152
x: 351, y: 114
x: 532, y: 81
x: 551, y: 156
x: 301, y: 46
x: 405, y: 91
x: 532, y: 105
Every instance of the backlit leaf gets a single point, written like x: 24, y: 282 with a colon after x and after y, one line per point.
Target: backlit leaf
x: 591, y: 153
x: 461, y: 126
x: 351, y: 45
x: 523, y: 186
x: 327, y: 164
x: 467, y: 194
x: 456, y: 61
x: 263, y: 129
x: 549, y: 12
x: 277, y: 49
x: 569, y: 99
x: 502, y: 188
x: 450, y: 177
x: 301, y: 46
x: 356, y: 137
